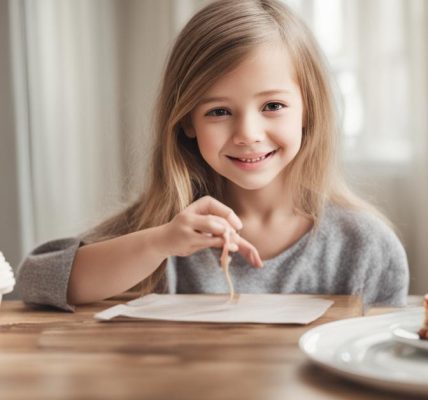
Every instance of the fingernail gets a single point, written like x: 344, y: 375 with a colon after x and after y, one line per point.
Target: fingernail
x: 253, y: 260
x: 256, y: 262
x: 219, y: 226
x: 233, y: 247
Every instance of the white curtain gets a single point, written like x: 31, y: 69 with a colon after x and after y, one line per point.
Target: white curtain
x: 85, y: 76
x: 88, y: 71
x: 66, y: 59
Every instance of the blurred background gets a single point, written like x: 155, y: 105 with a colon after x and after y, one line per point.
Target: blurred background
x: 78, y: 79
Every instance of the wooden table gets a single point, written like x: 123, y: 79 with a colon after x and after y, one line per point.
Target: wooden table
x: 49, y: 354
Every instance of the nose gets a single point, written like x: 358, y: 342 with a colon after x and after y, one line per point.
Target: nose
x: 247, y: 130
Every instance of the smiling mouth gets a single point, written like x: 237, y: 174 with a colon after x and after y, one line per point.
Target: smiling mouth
x: 253, y: 160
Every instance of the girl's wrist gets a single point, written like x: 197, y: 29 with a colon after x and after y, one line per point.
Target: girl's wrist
x: 159, y: 236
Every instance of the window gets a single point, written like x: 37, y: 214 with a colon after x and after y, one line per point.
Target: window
x: 365, y: 43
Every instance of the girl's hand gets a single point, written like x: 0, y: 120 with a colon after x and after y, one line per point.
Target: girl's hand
x: 202, y: 225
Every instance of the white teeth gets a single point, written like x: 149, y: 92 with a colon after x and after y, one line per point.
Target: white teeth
x: 253, y: 160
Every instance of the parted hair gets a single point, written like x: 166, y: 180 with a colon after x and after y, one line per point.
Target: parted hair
x: 214, y: 42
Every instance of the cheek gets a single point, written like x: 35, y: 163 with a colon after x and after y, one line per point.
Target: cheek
x: 209, y: 145
x: 289, y: 133
x: 211, y: 139
x: 295, y: 141
x: 206, y: 148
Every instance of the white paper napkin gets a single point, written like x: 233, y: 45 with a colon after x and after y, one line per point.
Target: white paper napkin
x: 248, y: 308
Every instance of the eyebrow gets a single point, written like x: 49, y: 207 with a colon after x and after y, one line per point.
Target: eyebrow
x: 206, y: 100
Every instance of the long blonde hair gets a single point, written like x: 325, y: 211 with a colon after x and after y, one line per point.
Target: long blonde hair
x: 214, y: 42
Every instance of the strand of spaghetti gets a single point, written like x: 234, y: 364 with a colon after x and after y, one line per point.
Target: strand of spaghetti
x: 225, y: 260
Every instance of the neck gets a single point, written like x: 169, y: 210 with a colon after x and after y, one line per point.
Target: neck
x: 265, y: 204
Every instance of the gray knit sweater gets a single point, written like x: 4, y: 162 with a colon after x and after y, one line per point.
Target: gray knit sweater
x: 350, y: 252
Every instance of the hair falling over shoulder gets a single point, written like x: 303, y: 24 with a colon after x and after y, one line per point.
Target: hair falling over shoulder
x: 212, y: 43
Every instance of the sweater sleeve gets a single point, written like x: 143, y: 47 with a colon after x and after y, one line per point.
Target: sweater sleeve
x: 393, y: 285
x: 387, y: 282
x: 42, y: 277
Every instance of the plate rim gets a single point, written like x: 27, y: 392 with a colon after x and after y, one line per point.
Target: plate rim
x: 415, y: 343
x: 390, y: 384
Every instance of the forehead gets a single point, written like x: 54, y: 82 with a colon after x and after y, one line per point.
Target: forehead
x: 266, y: 67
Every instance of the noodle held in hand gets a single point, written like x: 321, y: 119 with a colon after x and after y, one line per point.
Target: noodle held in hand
x: 225, y: 260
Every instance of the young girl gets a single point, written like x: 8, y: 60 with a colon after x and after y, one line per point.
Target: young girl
x: 245, y: 141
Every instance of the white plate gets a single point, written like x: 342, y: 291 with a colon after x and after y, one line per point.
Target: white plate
x: 363, y: 349
x: 408, y: 334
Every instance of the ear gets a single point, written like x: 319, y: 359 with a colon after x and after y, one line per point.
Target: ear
x: 188, y: 127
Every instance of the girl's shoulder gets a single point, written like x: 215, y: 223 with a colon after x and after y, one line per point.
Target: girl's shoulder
x: 359, y: 227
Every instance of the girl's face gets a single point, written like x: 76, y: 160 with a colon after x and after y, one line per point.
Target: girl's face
x: 248, y: 125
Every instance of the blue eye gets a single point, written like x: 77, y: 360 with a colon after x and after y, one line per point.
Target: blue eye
x: 218, y: 112
x: 274, y: 106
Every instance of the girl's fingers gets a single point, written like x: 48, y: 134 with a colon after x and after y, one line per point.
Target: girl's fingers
x: 248, y: 251
x: 237, y: 243
x: 208, y: 205
x: 210, y: 220
x: 218, y: 242
x: 205, y: 240
x: 209, y: 224
x: 233, y: 247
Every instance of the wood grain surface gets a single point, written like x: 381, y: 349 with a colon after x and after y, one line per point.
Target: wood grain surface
x: 49, y: 354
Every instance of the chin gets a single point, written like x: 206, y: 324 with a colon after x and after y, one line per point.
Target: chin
x: 249, y: 185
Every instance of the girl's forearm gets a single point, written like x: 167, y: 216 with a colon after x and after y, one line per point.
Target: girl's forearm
x: 104, y: 269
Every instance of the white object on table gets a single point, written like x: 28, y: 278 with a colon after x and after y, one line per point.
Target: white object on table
x: 408, y: 334
x: 7, y: 280
x: 366, y: 350
x: 245, y: 308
